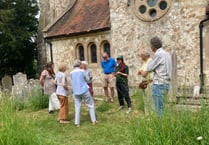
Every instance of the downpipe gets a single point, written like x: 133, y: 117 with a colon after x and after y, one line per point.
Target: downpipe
x: 201, y: 25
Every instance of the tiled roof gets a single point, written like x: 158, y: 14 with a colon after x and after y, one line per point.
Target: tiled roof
x: 85, y: 16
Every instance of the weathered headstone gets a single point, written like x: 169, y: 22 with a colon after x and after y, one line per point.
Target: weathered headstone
x: 33, y: 86
x: 7, y: 84
x: 20, y: 88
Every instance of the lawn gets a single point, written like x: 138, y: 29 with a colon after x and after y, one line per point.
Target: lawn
x: 34, y: 126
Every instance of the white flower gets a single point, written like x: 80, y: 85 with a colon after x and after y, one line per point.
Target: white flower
x: 199, y: 138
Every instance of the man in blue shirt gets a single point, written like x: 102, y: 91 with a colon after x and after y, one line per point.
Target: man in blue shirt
x: 108, y: 65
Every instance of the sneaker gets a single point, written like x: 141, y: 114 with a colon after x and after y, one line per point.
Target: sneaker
x: 121, y: 107
x: 51, y: 112
x: 63, y: 121
x: 77, y: 125
x: 94, y: 123
x: 129, y: 110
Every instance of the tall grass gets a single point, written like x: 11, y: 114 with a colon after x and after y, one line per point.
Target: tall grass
x: 16, y: 129
x: 35, y: 101
x: 174, y: 128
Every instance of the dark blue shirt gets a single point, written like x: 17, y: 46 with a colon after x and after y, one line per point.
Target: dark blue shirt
x: 108, y: 66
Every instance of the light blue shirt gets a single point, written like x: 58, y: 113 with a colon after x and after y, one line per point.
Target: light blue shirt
x: 78, y: 78
x: 60, y: 89
x: 161, y: 64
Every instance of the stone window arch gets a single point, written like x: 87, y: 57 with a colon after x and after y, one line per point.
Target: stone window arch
x: 105, y: 47
x: 151, y: 10
x: 92, y: 52
x: 80, y: 53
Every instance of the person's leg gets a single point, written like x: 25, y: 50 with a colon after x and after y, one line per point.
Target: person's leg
x: 89, y: 102
x: 155, y: 94
x: 105, y: 86
x: 54, y: 102
x: 112, y: 83
x: 126, y: 94
x: 78, y: 102
x: 163, y: 91
x: 91, y: 90
x: 120, y: 95
x: 63, y: 113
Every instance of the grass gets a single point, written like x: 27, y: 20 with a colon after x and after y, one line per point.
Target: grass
x: 36, y: 127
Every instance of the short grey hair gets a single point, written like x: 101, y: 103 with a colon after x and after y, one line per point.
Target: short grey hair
x: 144, y: 53
x: 77, y: 63
x: 155, y: 42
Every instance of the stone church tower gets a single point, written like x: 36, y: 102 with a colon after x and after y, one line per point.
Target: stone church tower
x: 50, y: 10
x: 83, y: 29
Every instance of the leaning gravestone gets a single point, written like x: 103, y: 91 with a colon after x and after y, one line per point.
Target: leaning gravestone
x: 7, y: 84
x: 20, y: 88
x: 33, y: 86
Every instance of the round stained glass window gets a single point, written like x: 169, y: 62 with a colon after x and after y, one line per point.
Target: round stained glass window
x: 142, y: 9
x: 151, y: 10
x: 163, y: 5
x: 152, y: 3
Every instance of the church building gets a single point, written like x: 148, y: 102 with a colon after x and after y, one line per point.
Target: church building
x: 83, y: 29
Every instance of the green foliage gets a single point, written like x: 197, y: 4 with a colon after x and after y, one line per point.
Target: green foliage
x: 18, y: 31
x: 35, y: 102
x: 38, y: 101
x: 103, y: 107
x: 174, y: 128
x: 16, y: 129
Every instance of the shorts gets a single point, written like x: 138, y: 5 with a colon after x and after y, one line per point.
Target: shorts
x: 109, y: 80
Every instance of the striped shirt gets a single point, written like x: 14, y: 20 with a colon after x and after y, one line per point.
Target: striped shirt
x: 161, y: 64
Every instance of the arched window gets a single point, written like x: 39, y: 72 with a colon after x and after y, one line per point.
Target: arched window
x: 93, y: 53
x: 81, y: 52
x: 106, y: 48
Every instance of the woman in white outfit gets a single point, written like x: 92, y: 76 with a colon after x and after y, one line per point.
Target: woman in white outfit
x: 47, y: 82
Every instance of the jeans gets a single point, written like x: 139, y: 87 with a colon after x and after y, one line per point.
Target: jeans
x: 158, y: 94
x: 89, y: 102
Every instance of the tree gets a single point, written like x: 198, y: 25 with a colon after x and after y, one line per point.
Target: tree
x: 18, y: 32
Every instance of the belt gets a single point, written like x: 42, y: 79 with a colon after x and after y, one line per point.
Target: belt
x: 108, y: 73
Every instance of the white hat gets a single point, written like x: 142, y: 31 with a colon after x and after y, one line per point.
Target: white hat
x: 84, y: 62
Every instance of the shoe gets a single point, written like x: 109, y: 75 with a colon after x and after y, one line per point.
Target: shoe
x: 106, y: 100
x: 94, y: 123
x: 77, y: 125
x: 63, y: 121
x: 112, y: 100
x: 51, y: 112
x: 121, y: 107
x: 129, y: 110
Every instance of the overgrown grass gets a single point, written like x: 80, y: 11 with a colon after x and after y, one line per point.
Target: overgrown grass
x: 16, y: 129
x: 36, y: 126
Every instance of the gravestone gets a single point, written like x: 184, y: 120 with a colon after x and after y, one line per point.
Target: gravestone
x: 33, y: 86
x: 174, y: 84
x: 7, y: 84
x: 20, y: 88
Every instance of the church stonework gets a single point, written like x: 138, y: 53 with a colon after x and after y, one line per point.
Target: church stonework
x: 129, y: 33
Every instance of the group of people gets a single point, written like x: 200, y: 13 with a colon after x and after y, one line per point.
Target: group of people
x: 155, y: 71
x: 81, y: 80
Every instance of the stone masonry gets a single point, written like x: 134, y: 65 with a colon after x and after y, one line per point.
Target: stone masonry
x: 178, y: 28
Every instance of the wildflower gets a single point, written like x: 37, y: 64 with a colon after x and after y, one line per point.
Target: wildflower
x: 199, y: 138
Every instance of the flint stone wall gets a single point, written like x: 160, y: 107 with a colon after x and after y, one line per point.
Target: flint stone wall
x: 178, y: 28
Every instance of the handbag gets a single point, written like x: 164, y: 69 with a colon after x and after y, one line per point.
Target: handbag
x: 143, y: 85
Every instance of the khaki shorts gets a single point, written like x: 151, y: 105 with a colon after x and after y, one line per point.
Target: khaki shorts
x: 108, y: 80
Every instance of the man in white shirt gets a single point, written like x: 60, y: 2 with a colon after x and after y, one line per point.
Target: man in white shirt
x: 161, y: 65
